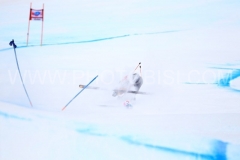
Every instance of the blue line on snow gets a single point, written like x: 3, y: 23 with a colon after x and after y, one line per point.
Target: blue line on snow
x: 218, y: 148
x: 95, y: 40
x: 218, y: 153
x: 6, y: 115
x: 225, y: 81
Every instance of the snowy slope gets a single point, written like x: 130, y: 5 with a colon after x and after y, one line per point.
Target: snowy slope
x: 190, y: 68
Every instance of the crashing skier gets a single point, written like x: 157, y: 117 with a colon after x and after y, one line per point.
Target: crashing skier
x: 131, y: 83
x: 128, y: 87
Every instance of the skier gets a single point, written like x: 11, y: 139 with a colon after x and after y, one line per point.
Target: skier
x: 137, y: 81
x: 133, y: 83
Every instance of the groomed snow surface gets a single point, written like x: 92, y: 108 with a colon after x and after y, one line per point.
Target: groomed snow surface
x: 190, y: 68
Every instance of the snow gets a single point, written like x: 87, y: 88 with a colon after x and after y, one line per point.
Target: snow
x: 190, y: 68
x: 235, y: 84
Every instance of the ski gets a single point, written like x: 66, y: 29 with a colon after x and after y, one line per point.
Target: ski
x: 96, y: 88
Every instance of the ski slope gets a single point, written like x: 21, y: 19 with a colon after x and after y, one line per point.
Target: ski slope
x: 190, y: 69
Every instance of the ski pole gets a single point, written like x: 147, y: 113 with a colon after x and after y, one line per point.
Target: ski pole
x: 79, y: 93
x: 14, y: 46
x: 137, y: 66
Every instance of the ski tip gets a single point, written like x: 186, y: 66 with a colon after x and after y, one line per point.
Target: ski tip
x: 64, y: 108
